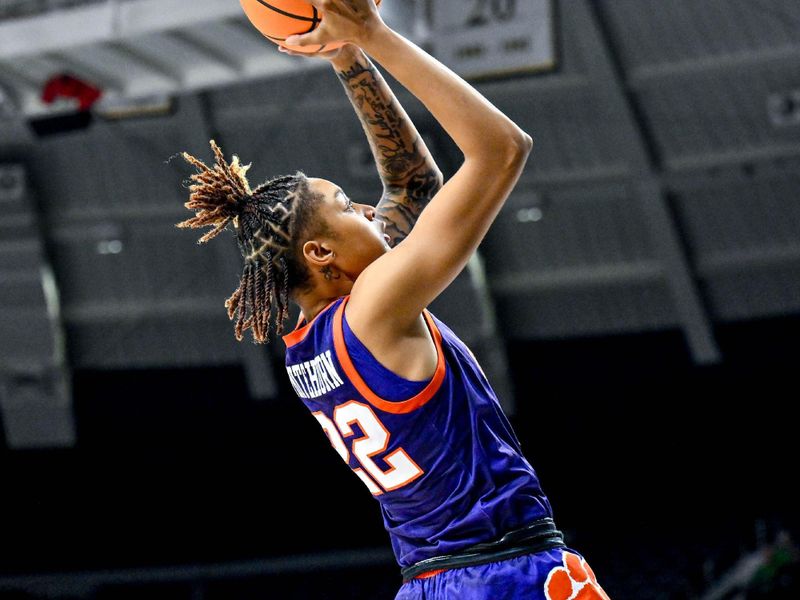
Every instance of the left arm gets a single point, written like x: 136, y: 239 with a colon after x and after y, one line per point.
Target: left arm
x: 409, y: 174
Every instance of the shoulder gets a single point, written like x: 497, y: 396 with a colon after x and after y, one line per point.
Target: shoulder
x: 410, y: 352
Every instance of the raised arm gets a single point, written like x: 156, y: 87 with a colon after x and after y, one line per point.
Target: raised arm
x: 409, y: 173
x: 391, y: 293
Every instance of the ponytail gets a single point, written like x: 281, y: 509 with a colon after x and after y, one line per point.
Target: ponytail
x: 265, y: 221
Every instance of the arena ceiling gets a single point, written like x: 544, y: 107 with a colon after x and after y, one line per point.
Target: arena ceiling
x: 661, y: 194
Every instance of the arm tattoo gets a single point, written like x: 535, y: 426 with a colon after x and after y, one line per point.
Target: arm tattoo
x: 401, y: 211
x: 409, y: 174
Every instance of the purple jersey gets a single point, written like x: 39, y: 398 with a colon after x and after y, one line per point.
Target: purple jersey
x: 439, y: 456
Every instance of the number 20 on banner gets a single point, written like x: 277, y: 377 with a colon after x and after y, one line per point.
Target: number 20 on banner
x: 374, y: 441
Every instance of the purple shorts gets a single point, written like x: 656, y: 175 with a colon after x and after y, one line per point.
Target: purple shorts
x: 558, y: 574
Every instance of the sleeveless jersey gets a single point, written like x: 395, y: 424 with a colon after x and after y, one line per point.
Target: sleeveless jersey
x: 439, y: 456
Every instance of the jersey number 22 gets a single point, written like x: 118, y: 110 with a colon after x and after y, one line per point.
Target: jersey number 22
x: 402, y: 470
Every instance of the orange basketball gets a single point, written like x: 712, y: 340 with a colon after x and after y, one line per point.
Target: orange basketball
x: 278, y: 19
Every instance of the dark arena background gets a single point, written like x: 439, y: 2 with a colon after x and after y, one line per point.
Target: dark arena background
x: 636, y: 304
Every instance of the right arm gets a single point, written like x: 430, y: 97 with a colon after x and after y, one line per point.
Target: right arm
x: 392, y: 291
x: 407, y: 170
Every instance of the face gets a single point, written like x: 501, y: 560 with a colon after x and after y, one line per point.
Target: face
x: 358, y: 235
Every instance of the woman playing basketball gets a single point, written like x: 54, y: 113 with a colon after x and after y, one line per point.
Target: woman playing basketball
x: 400, y: 397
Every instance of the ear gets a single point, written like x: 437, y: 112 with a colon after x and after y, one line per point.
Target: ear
x: 318, y: 254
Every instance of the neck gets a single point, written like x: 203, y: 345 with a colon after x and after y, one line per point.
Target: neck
x: 312, y: 310
x: 312, y: 302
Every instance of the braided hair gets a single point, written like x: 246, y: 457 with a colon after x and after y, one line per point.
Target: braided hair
x: 269, y: 222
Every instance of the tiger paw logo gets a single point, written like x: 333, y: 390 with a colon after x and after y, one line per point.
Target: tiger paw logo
x: 574, y: 581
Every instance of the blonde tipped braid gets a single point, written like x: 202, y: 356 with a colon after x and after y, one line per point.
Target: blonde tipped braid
x: 264, y: 220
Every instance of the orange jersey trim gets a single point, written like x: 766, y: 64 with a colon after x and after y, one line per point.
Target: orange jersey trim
x: 398, y: 408
x: 300, y: 333
x: 428, y: 574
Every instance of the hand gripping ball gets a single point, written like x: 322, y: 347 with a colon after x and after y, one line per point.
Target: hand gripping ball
x: 278, y: 19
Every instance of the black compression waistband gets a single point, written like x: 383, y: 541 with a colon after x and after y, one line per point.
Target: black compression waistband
x: 536, y: 537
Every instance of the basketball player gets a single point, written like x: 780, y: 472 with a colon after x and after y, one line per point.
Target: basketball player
x: 402, y: 400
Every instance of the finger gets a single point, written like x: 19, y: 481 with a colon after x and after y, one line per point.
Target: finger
x: 308, y: 39
x: 284, y: 50
x: 328, y: 5
x: 338, y: 7
x: 324, y: 6
x: 320, y: 4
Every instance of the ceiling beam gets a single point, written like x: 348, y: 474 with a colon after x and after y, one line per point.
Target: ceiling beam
x: 648, y: 185
x: 106, y: 22
x: 752, y: 58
